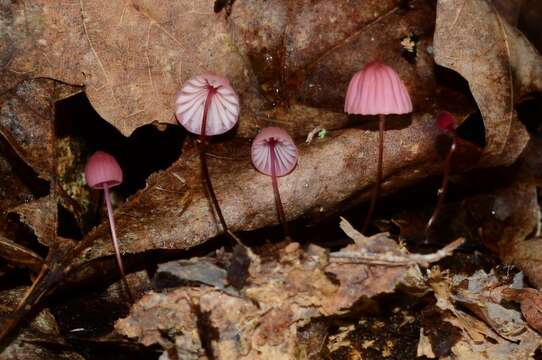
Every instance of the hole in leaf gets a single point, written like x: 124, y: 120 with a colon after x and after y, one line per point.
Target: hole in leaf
x: 473, y: 130
x: 67, y: 225
x: 529, y: 112
x: 81, y: 131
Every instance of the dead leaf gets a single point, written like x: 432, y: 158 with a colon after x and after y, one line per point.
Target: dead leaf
x: 526, y: 255
x: 500, y: 65
x: 40, y: 339
x: 501, y: 335
x: 14, y: 191
x: 531, y: 305
x: 40, y: 215
x: 424, y: 346
x: 283, y: 293
x: 132, y: 57
x: 530, y: 17
x: 27, y: 123
x: 19, y: 255
x: 194, y: 270
x: 509, y: 9
x: 161, y: 217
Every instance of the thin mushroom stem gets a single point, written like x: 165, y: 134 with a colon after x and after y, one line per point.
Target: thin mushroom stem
x: 444, y: 186
x: 115, y: 241
x: 376, y: 190
x: 205, y: 169
x: 274, y: 180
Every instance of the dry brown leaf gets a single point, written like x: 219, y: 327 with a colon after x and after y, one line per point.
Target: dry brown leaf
x: 19, y: 255
x: 501, y: 334
x: 526, y: 255
x: 172, y: 212
x: 512, y: 217
x: 514, y: 224
x: 530, y: 17
x: 531, y: 305
x: 424, y: 346
x: 133, y: 56
x: 509, y: 9
x: 475, y: 295
x: 27, y: 124
x: 40, y: 215
x: 500, y: 65
x: 283, y: 293
x: 40, y: 339
x: 27, y: 121
x: 14, y: 190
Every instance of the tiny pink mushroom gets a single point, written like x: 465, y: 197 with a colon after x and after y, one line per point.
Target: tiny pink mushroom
x: 274, y: 153
x: 103, y: 172
x: 207, y: 105
x: 447, y: 123
x: 377, y: 90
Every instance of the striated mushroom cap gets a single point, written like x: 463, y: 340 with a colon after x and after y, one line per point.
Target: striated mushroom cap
x: 223, y: 109
x: 285, y: 151
x: 377, y: 90
x: 446, y: 122
x: 102, y: 169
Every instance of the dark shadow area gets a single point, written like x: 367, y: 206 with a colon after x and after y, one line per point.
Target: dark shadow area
x: 473, y: 129
x: 67, y: 225
x: 451, y: 79
x: 393, y: 122
x: 530, y: 18
x: 24, y: 172
x: 529, y: 112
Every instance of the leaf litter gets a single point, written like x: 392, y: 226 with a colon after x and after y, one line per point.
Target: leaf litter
x: 291, y: 79
x: 284, y: 290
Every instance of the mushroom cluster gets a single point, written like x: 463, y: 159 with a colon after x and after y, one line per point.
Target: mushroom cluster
x: 207, y: 105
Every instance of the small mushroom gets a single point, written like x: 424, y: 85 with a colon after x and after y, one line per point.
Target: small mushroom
x: 448, y: 124
x: 103, y: 172
x: 274, y: 153
x: 377, y: 90
x: 207, y: 105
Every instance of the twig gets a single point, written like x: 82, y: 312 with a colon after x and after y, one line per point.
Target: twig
x: 388, y: 259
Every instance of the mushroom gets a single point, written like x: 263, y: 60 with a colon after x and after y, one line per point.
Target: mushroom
x: 103, y: 172
x: 275, y: 154
x: 207, y: 105
x: 377, y: 90
x: 447, y: 123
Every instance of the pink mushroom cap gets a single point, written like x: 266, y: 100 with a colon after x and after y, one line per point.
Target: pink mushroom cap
x: 223, y: 109
x: 285, y: 151
x: 102, y: 169
x: 446, y: 122
x: 377, y: 90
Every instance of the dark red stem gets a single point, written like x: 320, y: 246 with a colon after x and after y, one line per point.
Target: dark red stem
x: 444, y: 186
x: 274, y: 180
x: 115, y: 241
x: 376, y: 190
x: 205, y: 170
